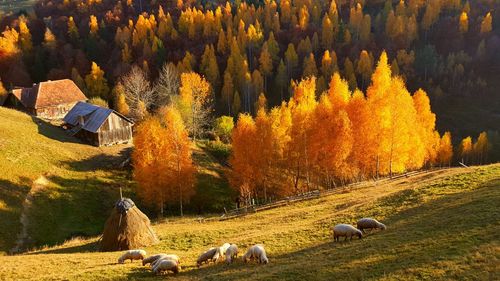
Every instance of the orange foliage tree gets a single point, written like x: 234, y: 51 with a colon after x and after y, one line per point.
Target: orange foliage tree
x: 162, y: 161
x: 343, y: 137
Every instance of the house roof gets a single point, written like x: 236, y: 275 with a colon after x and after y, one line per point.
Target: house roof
x: 49, y: 93
x: 93, y: 116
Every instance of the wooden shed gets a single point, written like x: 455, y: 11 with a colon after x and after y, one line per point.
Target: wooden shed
x: 49, y: 100
x: 98, y: 125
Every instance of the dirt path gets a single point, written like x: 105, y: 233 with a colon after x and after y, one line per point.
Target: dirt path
x: 23, y: 236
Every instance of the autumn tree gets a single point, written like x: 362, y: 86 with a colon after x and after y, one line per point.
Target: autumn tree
x: 302, y: 105
x: 167, y: 85
x: 486, y: 23
x: 463, y: 23
x: 266, y: 63
x: 445, y: 152
x: 327, y: 33
x: 481, y: 148
x: 162, y: 160
x: 180, y: 168
x: 120, y: 102
x: 195, y: 103
x: 465, y: 150
x: 243, y: 157
x: 25, y: 35
x: 310, y: 68
x: 139, y: 95
x: 95, y: 82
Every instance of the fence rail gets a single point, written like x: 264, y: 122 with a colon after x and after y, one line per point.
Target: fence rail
x: 313, y: 194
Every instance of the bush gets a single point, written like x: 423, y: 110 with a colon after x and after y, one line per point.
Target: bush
x: 223, y: 128
x: 99, y: 102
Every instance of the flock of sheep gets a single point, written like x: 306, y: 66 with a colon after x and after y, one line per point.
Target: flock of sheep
x: 161, y: 263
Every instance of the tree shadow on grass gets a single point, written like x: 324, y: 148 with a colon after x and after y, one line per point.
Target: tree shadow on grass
x: 422, y: 241
x: 71, y: 208
x: 92, y: 246
x: 11, y: 203
x: 103, y: 161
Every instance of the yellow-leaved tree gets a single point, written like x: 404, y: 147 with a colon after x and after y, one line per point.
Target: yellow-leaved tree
x: 194, y: 103
x: 162, y: 160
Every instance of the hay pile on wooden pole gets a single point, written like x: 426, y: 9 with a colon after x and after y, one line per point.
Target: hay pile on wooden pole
x: 127, y: 228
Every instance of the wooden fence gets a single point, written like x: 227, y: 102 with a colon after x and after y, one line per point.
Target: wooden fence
x: 313, y: 194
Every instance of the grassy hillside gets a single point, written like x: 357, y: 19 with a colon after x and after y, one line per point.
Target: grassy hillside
x: 79, y: 186
x: 80, y: 182
x: 441, y: 225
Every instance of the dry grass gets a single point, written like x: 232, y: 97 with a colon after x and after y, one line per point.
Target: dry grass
x: 441, y: 226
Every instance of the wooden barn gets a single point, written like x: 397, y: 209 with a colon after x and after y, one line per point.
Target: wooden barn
x: 98, y: 125
x: 49, y: 100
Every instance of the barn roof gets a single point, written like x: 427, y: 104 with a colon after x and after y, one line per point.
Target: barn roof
x: 49, y: 93
x: 93, y: 115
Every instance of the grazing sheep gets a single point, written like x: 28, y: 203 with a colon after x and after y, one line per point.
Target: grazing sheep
x: 369, y: 223
x: 152, y: 259
x: 166, y: 265
x: 132, y: 255
x: 256, y: 252
x: 211, y: 254
x: 345, y: 230
x: 231, y: 253
x: 224, y: 248
x: 166, y: 257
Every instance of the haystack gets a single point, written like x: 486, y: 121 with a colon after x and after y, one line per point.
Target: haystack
x: 127, y: 228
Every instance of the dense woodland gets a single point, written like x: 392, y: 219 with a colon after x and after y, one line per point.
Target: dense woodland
x: 321, y: 92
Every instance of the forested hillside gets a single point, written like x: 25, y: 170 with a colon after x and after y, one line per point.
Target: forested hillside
x: 244, y: 48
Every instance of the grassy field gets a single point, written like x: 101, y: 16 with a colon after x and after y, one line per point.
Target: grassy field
x: 442, y: 225
x: 80, y: 186
x: 81, y: 182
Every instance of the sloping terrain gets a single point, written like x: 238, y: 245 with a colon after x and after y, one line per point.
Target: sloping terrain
x: 80, y: 185
x: 442, y: 225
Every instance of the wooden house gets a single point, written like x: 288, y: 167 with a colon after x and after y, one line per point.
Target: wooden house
x: 49, y: 100
x: 98, y: 125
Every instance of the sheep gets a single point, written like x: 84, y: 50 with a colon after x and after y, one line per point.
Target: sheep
x: 211, y: 254
x: 132, y: 255
x: 161, y: 257
x: 256, y: 252
x: 152, y: 259
x: 345, y: 230
x: 224, y: 248
x: 231, y: 253
x: 167, y: 265
x: 369, y: 223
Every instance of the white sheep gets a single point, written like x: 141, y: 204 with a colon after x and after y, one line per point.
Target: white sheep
x: 167, y: 265
x: 224, y: 248
x: 164, y: 257
x: 211, y: 254
x: 345, y: 230
x: 152, y: 259
x: 132, y: 255
x: 231, y: 253
x: 256, y: 252
x: 369, y: 223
